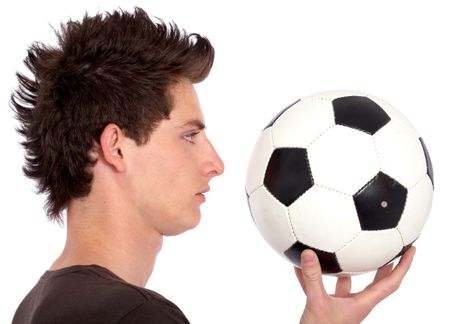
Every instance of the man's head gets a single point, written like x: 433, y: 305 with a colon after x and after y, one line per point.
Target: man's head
x: 163, y: 181
x: 118, y: 69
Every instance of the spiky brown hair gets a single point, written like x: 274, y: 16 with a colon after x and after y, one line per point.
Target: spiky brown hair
x: 108, y: 68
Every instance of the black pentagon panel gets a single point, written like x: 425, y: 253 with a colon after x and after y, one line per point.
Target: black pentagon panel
x: 428, y: 159
x: 328, y: 261
x: 360, y: 113
x: 380, y: 203
x: 288, y: 174
x: 274, y: 119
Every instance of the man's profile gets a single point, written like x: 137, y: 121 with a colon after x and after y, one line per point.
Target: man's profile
x: 115, y: 82
x: 115, y: 136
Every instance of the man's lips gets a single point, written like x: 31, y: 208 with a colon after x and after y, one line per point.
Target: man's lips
x: 201, y: 194
x: 204, y: 190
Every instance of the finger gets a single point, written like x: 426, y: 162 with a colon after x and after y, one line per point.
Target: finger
x: 343, y: 286
x: 383, y: 272
x: 311, y: 275
x: 385, y: 286
x: 299, y: 274
x: 403, y: 266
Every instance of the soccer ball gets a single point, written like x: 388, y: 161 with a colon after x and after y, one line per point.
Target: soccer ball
x: 342, y: 173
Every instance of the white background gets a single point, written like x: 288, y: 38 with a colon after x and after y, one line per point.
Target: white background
x: 268, y: 55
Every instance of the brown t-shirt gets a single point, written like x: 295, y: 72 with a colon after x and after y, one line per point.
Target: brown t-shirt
x: 93, y: 294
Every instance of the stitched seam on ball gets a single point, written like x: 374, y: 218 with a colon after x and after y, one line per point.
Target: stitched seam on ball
x: 376, y: 152
x: 417, y: 183
x: 251, y: 193
x: 267, y: 162
x: 290, y: 224
x: 333, y: 190
x: 272, y: 141
x: 349, y: 242
x: 287, y: 213
x: 401, y: 236
x: 352, y: 273
x: 320, y: 135
x: 402, y: 214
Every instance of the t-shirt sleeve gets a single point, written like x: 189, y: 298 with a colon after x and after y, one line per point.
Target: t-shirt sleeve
x: 150, y: 312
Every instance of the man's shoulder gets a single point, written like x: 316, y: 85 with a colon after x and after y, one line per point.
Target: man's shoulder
x: 91, y: 294
x: 94, y: 285
x: 154, y: 312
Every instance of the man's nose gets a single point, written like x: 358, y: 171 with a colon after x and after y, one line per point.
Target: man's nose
x: 215, y: 166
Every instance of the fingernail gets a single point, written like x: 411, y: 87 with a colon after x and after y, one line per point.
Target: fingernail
x: 308, y: 258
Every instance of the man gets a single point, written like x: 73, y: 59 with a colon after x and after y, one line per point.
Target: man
x: 114, y: 135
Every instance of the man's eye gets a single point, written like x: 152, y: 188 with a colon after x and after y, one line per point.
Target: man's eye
x: 190, y: 137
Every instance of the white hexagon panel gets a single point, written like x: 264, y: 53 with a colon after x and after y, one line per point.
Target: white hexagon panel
x: 417, y: 207
x: 324, y: 218
x: 272, y: 219
x: 397, y: 143
x: 369, y: 250
x: 343, y: 159
x: 258, y: 161
x: 291, y: 131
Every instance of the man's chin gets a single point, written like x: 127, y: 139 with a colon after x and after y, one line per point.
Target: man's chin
x: 188, y: 223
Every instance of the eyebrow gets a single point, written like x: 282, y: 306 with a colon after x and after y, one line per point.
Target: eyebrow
x: 195, y: 122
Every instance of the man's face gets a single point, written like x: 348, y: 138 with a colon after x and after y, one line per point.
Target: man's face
x: 170, y: 173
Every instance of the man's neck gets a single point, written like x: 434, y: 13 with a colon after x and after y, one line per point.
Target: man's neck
x: 111, y: 239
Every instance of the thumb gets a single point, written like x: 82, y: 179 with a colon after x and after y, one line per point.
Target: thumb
x: 311, y: 275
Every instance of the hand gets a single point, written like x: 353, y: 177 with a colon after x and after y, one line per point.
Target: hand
x: 344, y: 306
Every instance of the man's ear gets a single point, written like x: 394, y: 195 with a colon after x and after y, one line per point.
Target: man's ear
x: 111, y: 141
